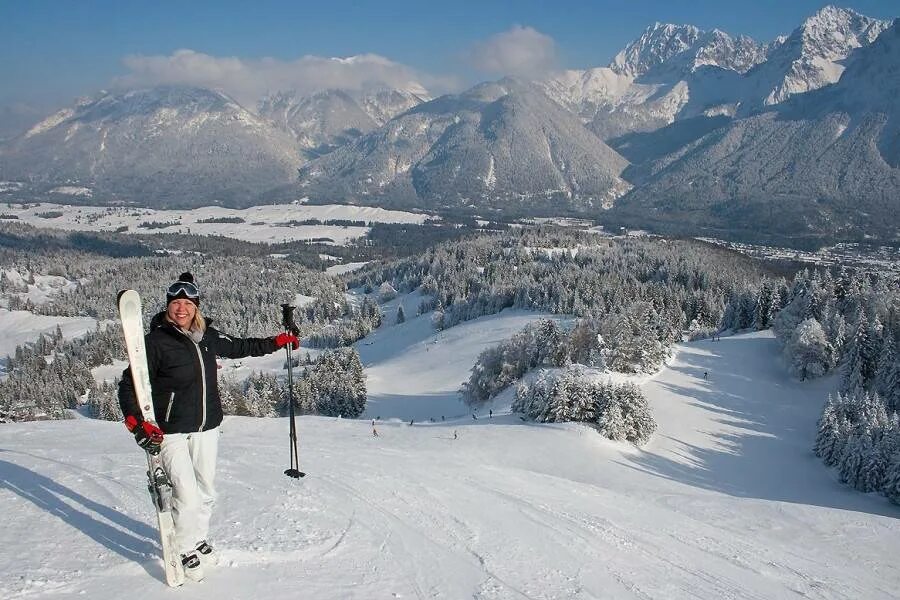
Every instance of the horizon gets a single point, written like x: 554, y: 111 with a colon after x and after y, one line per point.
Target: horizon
x: 56, y: 53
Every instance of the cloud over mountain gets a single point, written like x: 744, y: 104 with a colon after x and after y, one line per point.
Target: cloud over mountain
x: 248, y: 80
x: 519, y: 52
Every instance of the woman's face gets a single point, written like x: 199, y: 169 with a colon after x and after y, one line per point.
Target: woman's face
x: 181, y: 311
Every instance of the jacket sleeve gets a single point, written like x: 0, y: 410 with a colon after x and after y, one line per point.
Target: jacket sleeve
x: 127, y: 397
x: 234, y: 347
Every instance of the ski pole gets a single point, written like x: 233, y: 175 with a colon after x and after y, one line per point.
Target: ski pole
x: 287, y: 320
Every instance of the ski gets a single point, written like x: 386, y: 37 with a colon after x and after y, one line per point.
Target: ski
x: 158, y: 483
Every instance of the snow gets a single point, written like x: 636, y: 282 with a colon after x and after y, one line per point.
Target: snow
x: 72, y: 190
x: 726, y: 501
x: 43, y: 288
x: 267, y: 223
x: 345, y: 268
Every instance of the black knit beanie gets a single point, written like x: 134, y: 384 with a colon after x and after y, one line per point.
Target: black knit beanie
x: 185, y: 277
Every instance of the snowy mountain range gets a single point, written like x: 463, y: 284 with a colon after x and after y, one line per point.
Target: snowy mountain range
x: 332, y: 118
x: 164, y: 145
x: 724, y: 127
x: 825, y: 160
x: 499, y: 144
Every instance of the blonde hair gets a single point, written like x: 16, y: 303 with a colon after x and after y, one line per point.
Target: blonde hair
x: 199, y: 322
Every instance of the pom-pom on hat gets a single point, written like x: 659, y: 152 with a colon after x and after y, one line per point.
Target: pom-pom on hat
x: 184, y: 288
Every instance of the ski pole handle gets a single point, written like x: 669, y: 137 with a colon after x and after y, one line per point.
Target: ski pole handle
x: 287, y: 319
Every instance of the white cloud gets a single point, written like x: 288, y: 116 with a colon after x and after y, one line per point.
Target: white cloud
x: 248, y: 80
x: 520, y: 52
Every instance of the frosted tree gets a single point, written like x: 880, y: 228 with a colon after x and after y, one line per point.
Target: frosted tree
x: 103, y: 402
x: 611, y: 422
x: 874, y: 465
x: 891, y: 482
x: 232, y: 395
x: 857, y: 367
x: 639, y: 423
x: 852, y: 460
x: 887, y: 379
x: 386, y: 292
x: 827, y: 431
x: 808, y: 352
x: 401, y: 316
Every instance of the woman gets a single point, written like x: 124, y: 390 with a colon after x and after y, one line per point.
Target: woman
x: 181, y: 356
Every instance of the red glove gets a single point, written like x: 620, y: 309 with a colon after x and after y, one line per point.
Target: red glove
x: 147, y: 435
x: 283, y: 339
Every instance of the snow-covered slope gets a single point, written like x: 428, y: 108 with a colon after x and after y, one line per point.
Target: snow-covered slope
x: 726, y: 501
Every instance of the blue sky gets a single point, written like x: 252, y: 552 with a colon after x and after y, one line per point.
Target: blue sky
x: 53, y: 51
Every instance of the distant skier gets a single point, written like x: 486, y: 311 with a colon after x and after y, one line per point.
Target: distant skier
x: 410, y: 422
x: 454, y: 435
x: 182, y: 347
x: 705, y: 374
x: 374, y: 431
x: 474, y: 418
x: 490, y: 413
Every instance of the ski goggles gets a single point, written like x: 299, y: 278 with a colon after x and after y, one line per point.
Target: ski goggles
x: 183, y: 288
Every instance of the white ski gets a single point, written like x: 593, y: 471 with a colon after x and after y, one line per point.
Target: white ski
x: 158, y: 482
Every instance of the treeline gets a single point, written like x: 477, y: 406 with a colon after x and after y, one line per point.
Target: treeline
x: 46, y: 379
x: 564, y: 389
x: 243, y: 295
x: 637, y: 294
x: 850, y: 321
x: 618, y: 412
x: 356, y: 324
x: 858, y: 437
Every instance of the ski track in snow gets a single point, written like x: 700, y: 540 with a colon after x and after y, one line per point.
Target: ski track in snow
x: 725, y: 502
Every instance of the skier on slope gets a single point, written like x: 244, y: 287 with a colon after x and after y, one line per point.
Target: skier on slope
x: 181, y: 357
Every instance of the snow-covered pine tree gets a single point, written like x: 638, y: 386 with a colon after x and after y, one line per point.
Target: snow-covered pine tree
x: 827, y: 430
x: 891, y: 482
x: 871, y: 476
x: 611, y: 423
x: 852, y: 458
x: 639, y: 423
x: 808, y: 352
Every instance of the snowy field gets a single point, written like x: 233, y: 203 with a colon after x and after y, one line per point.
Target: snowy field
x: 726, y: 501
x: 270, y: 223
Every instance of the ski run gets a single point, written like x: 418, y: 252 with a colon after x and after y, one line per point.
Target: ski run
x: 727, y: 500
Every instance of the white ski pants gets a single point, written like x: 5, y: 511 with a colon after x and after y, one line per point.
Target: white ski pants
x: 190, y: 462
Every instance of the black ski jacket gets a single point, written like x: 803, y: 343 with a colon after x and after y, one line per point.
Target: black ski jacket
x: 183, y: 375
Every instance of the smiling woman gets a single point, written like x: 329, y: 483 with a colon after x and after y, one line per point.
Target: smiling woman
x: 181, y: 358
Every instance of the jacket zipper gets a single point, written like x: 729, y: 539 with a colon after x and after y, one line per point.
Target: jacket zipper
x: 169, y: 408
x: 203, y: 384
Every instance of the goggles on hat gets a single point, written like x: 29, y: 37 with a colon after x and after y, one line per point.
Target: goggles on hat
x: 185, y: 288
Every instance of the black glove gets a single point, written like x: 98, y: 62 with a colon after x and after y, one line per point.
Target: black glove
x: 147, y: 435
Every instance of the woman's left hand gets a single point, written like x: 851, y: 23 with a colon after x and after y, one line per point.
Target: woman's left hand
x: 283, y: 339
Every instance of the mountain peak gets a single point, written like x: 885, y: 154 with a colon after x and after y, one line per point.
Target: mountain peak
x: 658, y: 43
x: 832, y: 32
x: 813, y: 55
